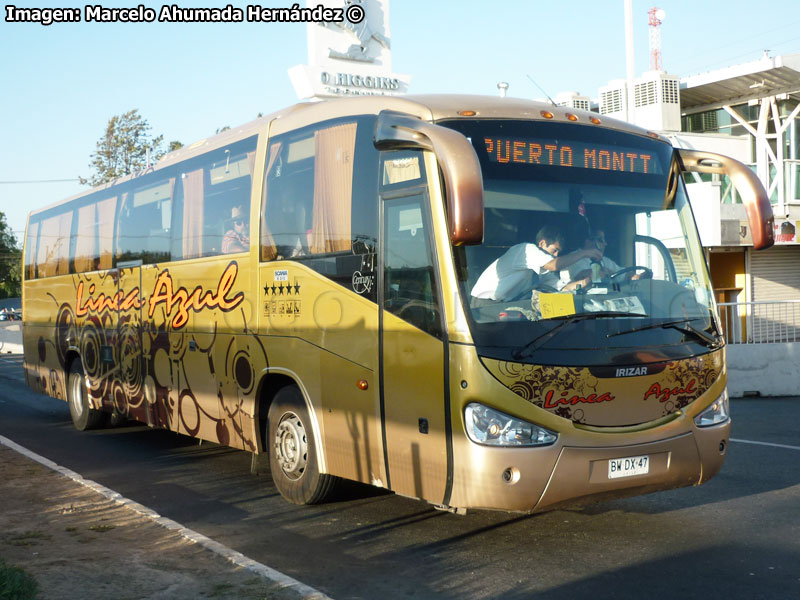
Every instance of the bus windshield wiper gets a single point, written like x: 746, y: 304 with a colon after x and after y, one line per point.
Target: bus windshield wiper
x: 682, y: 325
x: 538, y: 341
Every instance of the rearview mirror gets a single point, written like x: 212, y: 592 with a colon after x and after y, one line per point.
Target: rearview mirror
x: 754, y: 196
x: 461, y: 170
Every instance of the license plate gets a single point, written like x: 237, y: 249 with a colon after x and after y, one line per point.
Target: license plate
x: 628, y: 467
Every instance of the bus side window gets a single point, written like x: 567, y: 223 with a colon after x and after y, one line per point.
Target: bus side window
x: 333, y: 189
x: 52, y: 257
x: 212, y: 192
x: 320, y: 202
x: 308, y: 200
x: 287, y: 206
x: 143, y: 230
x: 30, y: 250
x: 227, y: 200
x: 92, y: 239
x: 187, y: 239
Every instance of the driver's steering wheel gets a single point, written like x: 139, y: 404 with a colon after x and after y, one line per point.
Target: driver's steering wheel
x: 648, y: 273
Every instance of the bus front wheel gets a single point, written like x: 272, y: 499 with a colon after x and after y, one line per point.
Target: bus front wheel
x: 83, y: 415
x: 292, y: 451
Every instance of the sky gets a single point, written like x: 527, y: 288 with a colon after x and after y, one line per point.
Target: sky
x: 60, y: 84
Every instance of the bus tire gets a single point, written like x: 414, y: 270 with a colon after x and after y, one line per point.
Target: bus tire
x: 83, y: 415
x: 292, y: 451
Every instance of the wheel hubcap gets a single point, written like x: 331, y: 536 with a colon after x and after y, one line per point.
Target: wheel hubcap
x: 291, y: 446
x: 76, y: 398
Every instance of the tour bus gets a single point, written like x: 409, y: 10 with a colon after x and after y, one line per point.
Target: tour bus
x: 305, y: 286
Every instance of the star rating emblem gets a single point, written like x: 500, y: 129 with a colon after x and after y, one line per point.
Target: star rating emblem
x: 289, y: 289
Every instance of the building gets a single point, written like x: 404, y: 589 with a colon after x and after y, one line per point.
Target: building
x: 655, y: 101
x: 749, y: 111
x: 573, y: 100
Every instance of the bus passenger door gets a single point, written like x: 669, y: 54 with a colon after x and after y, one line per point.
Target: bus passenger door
x: 412, y: 350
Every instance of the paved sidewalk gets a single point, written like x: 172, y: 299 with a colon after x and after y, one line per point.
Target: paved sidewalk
x: 78, y: 543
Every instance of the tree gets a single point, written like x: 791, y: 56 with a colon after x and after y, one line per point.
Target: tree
x: 123, y: 148
x: 10, y: 262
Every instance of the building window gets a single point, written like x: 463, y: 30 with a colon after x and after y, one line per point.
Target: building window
x: 611, y: 101
x: 581, y: 104
x: 669, y: 91
x: 644, y: 93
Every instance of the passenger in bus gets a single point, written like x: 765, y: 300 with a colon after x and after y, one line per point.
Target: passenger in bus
x: 526, y: 266
x: 237, y: 238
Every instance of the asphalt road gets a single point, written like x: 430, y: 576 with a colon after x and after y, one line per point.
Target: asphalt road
x: 737, y: 536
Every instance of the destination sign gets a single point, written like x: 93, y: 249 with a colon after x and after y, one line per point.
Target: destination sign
x: 554, y: 153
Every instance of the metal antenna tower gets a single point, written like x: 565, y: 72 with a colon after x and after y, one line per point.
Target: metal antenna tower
x: 656, y: 17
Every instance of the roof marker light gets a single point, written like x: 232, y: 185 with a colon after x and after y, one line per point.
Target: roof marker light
x: 572, y: 117
x: 547, y: 114
x: 467, y: 113
x: 595, y: 120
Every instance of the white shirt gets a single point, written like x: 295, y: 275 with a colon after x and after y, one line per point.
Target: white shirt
x: 514, y: 273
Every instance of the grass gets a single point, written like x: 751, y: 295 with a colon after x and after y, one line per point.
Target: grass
x: 28, y: 538
x: 16, y: 584
x: 101, y: 528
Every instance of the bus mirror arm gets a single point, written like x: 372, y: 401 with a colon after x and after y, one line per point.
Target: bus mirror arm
x: 754, y: 196
x: 459, y: 164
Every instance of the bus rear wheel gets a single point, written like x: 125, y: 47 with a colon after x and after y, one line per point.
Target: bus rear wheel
x: 293, y: 452
x: 83, y: 415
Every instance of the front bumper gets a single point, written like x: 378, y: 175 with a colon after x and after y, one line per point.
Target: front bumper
x: 550, y: 477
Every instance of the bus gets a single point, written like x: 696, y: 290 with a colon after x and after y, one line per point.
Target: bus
x: 305, y: 286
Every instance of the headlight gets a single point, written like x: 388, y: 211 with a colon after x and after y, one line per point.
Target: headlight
x: 717, y: 413
x: 493, y: 428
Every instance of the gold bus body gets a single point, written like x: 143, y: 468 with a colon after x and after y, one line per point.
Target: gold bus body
x: 204, y: 364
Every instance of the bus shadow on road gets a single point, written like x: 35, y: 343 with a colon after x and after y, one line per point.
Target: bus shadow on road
x: 729, y: 571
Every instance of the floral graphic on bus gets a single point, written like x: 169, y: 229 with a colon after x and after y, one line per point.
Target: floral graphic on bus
x: 577, y: 394
x: 140, y: 362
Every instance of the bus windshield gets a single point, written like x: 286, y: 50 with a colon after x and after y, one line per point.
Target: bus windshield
x: 590, y: 249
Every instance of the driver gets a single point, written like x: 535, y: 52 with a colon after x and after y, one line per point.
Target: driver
x: 582, y: 268
x: 524, y: 266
